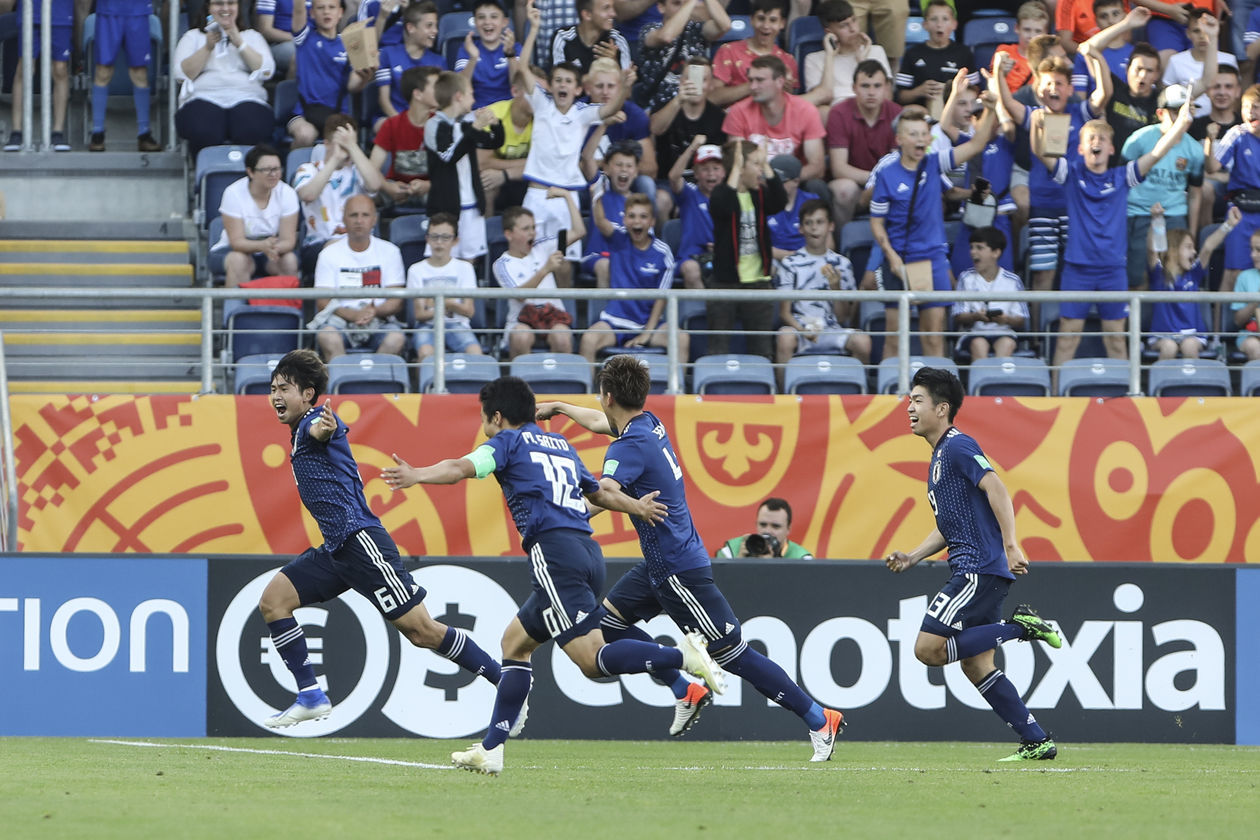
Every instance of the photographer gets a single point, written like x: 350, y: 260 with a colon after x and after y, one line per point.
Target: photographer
x: 770, y: 537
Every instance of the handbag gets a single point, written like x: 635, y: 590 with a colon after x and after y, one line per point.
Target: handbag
x: 1248, y: 201
x: 279, y: 281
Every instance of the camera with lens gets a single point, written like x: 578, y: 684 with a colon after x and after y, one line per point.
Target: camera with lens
x: 762, y: 545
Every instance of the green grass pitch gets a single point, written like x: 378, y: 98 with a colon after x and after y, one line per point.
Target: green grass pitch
x: 326, y: 788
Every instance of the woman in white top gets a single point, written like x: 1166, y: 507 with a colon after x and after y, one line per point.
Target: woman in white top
x: 260, y: 221
x: 222, y: 70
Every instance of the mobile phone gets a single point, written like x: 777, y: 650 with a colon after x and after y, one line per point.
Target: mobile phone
x: 695, y: 74
x: 992, y: 314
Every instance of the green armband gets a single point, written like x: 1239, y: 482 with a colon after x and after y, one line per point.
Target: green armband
x: 482, y: 460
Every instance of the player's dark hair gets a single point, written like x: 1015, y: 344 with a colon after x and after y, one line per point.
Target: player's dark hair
x: 768, y: 6
x: 813, y: 206
x: 870, y: 67
x: 774, y: 503
x: 989, y: 236
x: 511, y: 397
x: 942, y: 386
x: 416, y: 78
x: 445, y: 219
x: 257, y: 153
x: 1144, y: 49
x: 626, y: 379
x: 773, y: 63
x: 834, y: 11
x: 512, y: 214
x: 303, y: 369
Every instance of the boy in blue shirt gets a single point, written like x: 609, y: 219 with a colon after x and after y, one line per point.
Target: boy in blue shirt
x: 696, y: 243
x: 609, y: 191
x: 676, y: 576
x: 420, y: 28
x: 489, y: 53
x: 357, y: 552
x: 1238, y: 152
x: 547, y: 489
x: 124, y: 24
x: 324, y: 77
x: 1095, y: 256
x: 785, y: 226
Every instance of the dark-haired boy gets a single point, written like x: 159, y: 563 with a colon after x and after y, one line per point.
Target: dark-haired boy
x: 325, y: 78
x: 734, y: 59
x: 489, y: 52
x: 928, y: 68
x: 547, y: 489
x: 991, y: 324
x: 357, y: 552
x: 420, y: 25
x: 523, y: 266
x: 401, y: 139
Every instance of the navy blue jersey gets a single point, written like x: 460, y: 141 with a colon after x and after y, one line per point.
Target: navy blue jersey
x: 963, y: 514
x: 328, y: 481
x: 641, y: 460
x: 543, y: 480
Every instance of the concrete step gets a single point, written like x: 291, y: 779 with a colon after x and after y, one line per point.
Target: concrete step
x: 111, y: 367
x: 104, y: 386
x: 95, y: 252
x: 59, y: 320
x: 117, y: 274
x: 74, y: 343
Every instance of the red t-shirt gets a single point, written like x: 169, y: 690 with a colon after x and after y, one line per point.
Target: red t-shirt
x: 866, y: 144
x: 731, y: 63
x: 405, y: 141
x: 800, y: 123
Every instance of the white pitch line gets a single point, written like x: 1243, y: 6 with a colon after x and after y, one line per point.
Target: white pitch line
x: 217, y: 748
x: 809, y: 769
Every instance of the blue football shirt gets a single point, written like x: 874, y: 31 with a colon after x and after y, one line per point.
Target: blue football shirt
x: 1239, y: 152
x: 543, y: 479
x: 323, y: 69
x: 1044, y: 193
x: 785, y: 226
x: 963, y: 514
x: 1096, y: 204
x: 490, y: 78
x: 614, y: 204
x: 697, y: 224
x: 916, y: 233
x: 395, y: 60
x: 641, y: 460
x: 632, y: 268
x: 328, y: 481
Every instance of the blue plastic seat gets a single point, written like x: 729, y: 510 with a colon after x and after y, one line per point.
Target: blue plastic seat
x: 554, y: 373
x: 263, y: 330
x: 216, y: 168
x: 886, y: 375
x: 252, y: 374
x: 368, y: 373
x: 1249, y: 384
x: 465, y: 373
x: 819, y: 374
x: 1012, y: 376
x: 1100, y: 377
x: 1189, y: 378
x: 732, y: 373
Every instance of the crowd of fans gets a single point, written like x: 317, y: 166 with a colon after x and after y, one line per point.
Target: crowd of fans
x: 587, y: 126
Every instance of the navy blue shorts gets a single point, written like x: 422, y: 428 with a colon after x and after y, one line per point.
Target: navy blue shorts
x: 966, y: 600
x: 567, y: 570
x: 368, y: 563
x: 129, y: 31
x: 690, y: 598
x: 61, y: 38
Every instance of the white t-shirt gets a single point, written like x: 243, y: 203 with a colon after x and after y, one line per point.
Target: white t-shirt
x: 842, y: 72
x: 556, y: 146
x: 324, y: 215
x: 225, y: 80
x: 380, y: 265
x: 1182, y: 69
x: 456, y: 274
x: 971, y: 281
x: 260, y: 222
x: 511, y: 272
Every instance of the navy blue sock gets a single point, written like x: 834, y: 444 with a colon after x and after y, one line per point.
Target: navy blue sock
x: 614, y: 629
x: 459, y: 647
x: 999, y: 693
x: 290, y: 643
x: 631, y: 656
x: 772, y: 681
x: 976, y: 640
x: 513, y: 689
x: 140, y: 95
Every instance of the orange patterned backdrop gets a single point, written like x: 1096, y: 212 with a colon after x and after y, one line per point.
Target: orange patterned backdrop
x: 1121, y: 479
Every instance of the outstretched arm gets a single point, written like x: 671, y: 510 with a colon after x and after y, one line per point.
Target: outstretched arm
x: 450, y: 471
x: 1168, y: 140
x: 591, y: 419
x: 899, y: 561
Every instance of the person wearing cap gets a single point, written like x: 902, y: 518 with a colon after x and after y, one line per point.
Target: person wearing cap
x: 1166, y: 184
x: 1187, y: 66
x: 695, y: 247
x: 785, y: 226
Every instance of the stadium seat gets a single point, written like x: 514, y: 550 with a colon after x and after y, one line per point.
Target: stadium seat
x: 214, y: 262
x: 258, y: 330
x: 285, y: 100
x: 368, y: 373
x: 915, y: 33
x: 216, y: 168
x: 873, y: 320
x: 1012, y: 376
x: 741, y: 28
x: 1189, y: 378
x: 465, y: 373
x: 452, y: 29
x: 408, y: 233
x: 886, y: 375
x: 1101, y: 377
x: 983, y: 35
x: 296, y: 158
x: 732, y: 373
x: 1249, y: 386
x: 817, y: 374
x: 252, y: 374
x: 671, y: 235
x: 554, y: 373
x: 804, y: 36
x: 652, y: 358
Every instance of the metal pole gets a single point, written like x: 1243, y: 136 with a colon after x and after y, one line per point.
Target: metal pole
x: 1135, y: 346
x: 673, y: 382
x: 172, y: 39
x: 10, y: 468
x: 28, y: 75
x: 45, y: 76
x: 439, y: 342
x: 207, y: 345
x: 903, y: 344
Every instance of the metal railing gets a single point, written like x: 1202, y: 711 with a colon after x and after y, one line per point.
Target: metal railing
x: 208, y: 299
x: 8, y: 476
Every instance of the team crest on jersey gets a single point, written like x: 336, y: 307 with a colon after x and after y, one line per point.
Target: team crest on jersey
x: 1182, y: 164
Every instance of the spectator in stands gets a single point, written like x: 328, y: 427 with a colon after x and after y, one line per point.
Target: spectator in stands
x: 990, y: 324
x: 274, y: 19
x: 359, y: 261
x: 260, y: 221
x: 633, y: 16
x: 637, y: 260
x: 774, y: 519
x: 676, y: 123
x: 503, y: 169
x: 1165, y: 186
x: 777, y: 120
x: 325, y: 79
x: 927, y: 68
x: 1031, y: 21
x: 1180, y: 328
x: 742, y: 257
x: 125, y: 24
x: 593, y: 37
x: 386, y: 18
x: 1188, y: 66
x: 523, y: 267
x: 222, y: 99
x: 785, y: 226
x: 695, y: 245
x: 859, y: 133
x: 603, y: 84
x: 420, y: 27
x: 401, y: 139
x: 888, y: 19
x: 62, y: 34
x: 734, y: 60
x: 489, y: 53
x: 1075, y: 22
x: 323, y: 186
x: 1166, y: 31
x: 440, y: 269
x: 1247, y: 315
x: 555, y: 15
x: 1224, y: 96
x: 1238, y: 152
x: 852, y: 47
x: 817, y: 326
x: 687, y: 29
x: 1115, y: 52
x: 609, y: 192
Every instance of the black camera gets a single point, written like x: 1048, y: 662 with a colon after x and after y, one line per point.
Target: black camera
x: 762, y: 545
x: 979, y: 190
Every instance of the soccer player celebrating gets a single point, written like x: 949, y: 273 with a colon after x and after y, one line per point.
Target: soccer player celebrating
x: 357, y: 552
x: 976, y: 522
x: 547, y: 488
x: 675, y: 576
